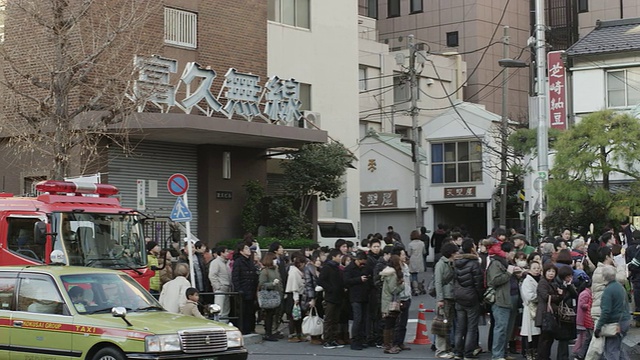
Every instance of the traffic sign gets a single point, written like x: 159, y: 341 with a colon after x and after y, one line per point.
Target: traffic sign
x: 178, y: 184
x: 180, y: 212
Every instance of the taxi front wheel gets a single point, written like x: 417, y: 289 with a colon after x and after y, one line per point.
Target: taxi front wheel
x: 109, y: 353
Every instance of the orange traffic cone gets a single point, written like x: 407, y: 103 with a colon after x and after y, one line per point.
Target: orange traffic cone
x: 421, y: 329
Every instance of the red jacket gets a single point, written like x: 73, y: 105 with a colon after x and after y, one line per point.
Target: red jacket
x: 583, y: 317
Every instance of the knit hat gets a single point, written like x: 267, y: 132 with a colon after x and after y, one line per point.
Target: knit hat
x: 150, y: 245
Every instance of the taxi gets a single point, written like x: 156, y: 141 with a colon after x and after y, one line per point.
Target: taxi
x: 67, y: 312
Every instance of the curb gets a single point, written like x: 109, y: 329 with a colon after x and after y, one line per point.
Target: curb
x: 631, y: 343
x: 252, y: 339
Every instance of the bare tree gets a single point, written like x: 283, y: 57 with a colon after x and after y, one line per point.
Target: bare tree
x: 68, y: 65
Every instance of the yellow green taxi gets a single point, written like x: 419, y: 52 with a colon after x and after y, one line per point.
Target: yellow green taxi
x: 67, y: 312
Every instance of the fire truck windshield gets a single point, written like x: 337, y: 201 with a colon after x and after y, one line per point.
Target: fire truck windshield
x: 100, y: 240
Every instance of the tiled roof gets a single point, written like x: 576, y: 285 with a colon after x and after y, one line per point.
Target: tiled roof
x: 609, y: 37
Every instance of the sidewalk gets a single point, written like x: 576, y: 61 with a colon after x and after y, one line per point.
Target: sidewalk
x: 631, y: 343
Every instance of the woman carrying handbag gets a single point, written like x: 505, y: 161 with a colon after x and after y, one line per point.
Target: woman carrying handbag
x: 269, y: 280
x: 615, y: 317
x: 392, y: 286
x: 548, y: 299
x: 566, y: 314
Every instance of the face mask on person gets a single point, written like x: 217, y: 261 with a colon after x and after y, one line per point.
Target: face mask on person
x: 521, y: 263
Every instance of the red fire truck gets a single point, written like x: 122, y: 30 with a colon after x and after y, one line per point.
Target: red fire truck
x: 80, y: 220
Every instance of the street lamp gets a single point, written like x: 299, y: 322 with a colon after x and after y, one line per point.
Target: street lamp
x: 505, y: 63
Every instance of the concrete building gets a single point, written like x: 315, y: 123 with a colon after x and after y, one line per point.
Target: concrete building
x: 217, y: 150
x: 473, y: 29
x: 318, y: 46
x: 457, y: 158
x: 459, y: 179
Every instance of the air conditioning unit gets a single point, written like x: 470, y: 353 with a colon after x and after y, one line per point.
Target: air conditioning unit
x: 312, y: 118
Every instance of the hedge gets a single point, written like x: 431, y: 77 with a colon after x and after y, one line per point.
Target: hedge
x: 266, y: 241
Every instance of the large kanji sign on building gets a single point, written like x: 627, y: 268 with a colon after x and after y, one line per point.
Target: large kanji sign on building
x: 242, y: 93
x: 557, y: 90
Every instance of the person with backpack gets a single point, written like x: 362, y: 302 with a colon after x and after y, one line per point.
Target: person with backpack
x: 444, y: 275
x: 467, y: 290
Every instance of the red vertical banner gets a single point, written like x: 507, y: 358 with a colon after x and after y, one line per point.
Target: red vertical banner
x: 557, y: 90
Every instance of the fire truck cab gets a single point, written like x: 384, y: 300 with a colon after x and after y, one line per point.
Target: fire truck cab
x: 80, y: 220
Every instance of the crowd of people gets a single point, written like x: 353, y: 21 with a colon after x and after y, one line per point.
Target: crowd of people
x: 566, y: 290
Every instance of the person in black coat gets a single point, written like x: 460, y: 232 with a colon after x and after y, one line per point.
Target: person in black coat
x: 567, y: 330
x: 467, y: 290
x: 330, y: 279
x: 547, y: 290
x: 244, y: 277
x: 632, y: 257
x: 358, y: 282
x: 374, y: 315
x: 436, y: 242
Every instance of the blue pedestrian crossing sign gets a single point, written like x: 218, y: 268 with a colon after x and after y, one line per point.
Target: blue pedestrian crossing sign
x: 180, y: 212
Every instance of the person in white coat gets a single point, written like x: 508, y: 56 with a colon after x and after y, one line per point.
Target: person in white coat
x: 416, y: 252
x: 529, y: 297
x: 598, y: 283
x: 172, y: 297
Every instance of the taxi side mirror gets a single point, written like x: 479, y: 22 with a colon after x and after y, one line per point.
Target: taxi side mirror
x: 121, y: 312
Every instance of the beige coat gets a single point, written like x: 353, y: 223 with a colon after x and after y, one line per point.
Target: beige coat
x: 416, y: 253
x: 190, y: 308
x: 220, y: 275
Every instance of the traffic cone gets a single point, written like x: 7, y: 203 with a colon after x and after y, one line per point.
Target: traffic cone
x: 421, y: 329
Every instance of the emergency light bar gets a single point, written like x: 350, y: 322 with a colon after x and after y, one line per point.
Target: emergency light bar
x: 64, y: 187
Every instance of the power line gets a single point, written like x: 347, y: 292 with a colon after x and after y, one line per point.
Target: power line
x: 455, y: 108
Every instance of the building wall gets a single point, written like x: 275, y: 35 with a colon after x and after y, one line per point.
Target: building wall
x: 475, y: 21
x: 437, y: 77
x: 588, y: 80
x: 607, y: 10
x: 221, y: 217
x: 325, y: 56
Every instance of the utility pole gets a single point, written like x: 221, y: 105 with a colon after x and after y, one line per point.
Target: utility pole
x: 541, y: 97
x: 503, y: 133
x: 415, y: 134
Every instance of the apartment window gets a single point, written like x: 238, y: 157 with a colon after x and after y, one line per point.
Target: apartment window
x: 393, y: 8
x: 402, y: 89
x: 583, y: 6
x: 623, y: 88
x: 452, y: 39
x: 372, y: 9
x: 456, y: 162
x: 362, y: 78
x: 416, y: 6
x: 290, y: 12
x: 29, y: 184
x: 180, y: 28
x: 305, y: 96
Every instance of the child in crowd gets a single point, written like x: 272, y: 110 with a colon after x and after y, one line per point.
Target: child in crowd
x: 191, y: 307
x: 584, y: 323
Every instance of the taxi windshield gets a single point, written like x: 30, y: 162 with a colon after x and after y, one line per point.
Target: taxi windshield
x: 100, y: 240
x: 99, y: 293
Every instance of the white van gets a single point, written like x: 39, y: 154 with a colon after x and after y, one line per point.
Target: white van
x: 332, y: 229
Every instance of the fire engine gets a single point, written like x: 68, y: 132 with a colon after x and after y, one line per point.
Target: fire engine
x: 80, y: 220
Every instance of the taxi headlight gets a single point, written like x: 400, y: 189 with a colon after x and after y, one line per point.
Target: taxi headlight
x: 234, y: 338
x: 158, y: 343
